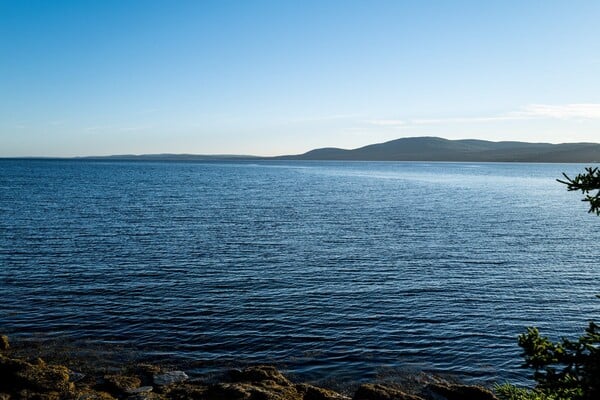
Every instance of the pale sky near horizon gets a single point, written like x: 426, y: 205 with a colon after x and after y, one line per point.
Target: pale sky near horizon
x: 284, y: 77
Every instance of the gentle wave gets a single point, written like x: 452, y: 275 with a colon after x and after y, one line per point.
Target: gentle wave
x: 324, y: 268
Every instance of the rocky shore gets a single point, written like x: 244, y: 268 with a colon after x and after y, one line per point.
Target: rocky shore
x: 33, y: 378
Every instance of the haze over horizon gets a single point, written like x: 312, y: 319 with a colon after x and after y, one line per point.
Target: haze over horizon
x: 267, y: 78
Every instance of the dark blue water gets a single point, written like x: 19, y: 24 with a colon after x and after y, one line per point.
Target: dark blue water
x: 330, y: 269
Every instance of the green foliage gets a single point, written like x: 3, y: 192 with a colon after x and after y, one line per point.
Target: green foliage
x: 512, y: 392
x: 566, y: 369
x: 587, y: 182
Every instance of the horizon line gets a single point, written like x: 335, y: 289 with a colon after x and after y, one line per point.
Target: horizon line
x: 252, y: 156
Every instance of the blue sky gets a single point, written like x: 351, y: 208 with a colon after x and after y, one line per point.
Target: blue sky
x: 280, y: 77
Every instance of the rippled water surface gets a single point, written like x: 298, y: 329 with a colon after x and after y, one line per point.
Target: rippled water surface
x: 330, y: 269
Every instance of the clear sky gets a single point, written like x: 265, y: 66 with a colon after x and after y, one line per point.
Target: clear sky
x: 280, y: 77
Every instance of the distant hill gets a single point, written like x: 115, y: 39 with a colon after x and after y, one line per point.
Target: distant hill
x: 438, y: 149
x: 413, y: 149
x: 171, y: 157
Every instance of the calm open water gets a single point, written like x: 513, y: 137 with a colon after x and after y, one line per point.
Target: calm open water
x: 330, y: 269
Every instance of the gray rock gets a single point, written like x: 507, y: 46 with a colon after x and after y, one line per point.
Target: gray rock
x: 170, y: 377
x: 462, y: 392
x: 139, y: 390
x: 310, y: 392
x: 144, y: 396
x: 76, y: 376
x: 369, y: 391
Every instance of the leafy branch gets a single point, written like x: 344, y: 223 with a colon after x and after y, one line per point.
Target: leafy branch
x: 566, y: 369
x: 587, y: 182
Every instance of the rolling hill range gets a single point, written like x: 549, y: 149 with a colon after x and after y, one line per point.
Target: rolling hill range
x: 438, y: 149
x: 412, y: 149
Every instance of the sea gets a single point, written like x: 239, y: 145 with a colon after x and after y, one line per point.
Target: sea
x: 332, y: 271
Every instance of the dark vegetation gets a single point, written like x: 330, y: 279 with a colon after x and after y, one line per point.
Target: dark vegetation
x: 587, y: 182
x: 567, y: 369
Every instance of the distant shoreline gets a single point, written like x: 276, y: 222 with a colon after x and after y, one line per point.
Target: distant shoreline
x: 416, y: 149
x: 140, y: 159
